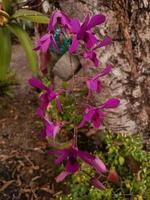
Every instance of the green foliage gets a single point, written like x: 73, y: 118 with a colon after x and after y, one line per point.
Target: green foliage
x: 5, y: 52
x: 125, y: 155
x: 10, y: 23
x: 5, y: 84
x: 30, y: 15
x: 26, y: 44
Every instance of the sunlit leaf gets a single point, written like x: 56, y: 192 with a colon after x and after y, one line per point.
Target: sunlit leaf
x: 5, y: 52
x: 26, y: 43
x: 30, y: 15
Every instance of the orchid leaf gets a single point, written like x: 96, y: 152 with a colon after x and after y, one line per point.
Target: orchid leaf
x: 26, y: 43
x: 30, y: 15
x: 5, y: 52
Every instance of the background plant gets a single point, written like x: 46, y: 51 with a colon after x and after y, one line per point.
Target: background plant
x: 123, y: 155
x: 10, y: 18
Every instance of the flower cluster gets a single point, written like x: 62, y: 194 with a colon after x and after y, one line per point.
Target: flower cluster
x: 65, y: 34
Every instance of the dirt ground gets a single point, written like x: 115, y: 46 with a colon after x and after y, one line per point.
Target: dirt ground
x: 26, y: 170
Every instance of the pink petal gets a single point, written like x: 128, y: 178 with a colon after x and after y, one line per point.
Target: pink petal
x: 45, y: 46
x: 96, y: 183
x: 97, y: 118
x: 86, y: 157
x: 40, y: 112
x: 37, y: 83
x: 89, y: 39
x: 75, y: 24
x: 64, y: 154
x: 87, y: 117
x: 74, y: 46
x: 99, y: 166
x: 106, y: 70
x: 96, y: 20
x: 83, y: 28
x: 106, y: 41
x: 111, y: 103
x: 62, y: 176
x: 72, y: 167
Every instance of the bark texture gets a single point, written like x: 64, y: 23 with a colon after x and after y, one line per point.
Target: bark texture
x: 128, y: 24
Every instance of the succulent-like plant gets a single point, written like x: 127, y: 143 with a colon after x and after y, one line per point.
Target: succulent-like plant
x: 10, y: 24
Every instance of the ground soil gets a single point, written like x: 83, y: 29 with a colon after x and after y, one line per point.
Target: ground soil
x: 26, y: 169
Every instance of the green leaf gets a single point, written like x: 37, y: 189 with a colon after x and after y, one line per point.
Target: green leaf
x: 26, y: 43
x: 7, y: 5
x: 30, y: 15
x: 121, y: 160
x: 5, y: 52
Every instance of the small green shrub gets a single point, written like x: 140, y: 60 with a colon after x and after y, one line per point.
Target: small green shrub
x: 125, y: 155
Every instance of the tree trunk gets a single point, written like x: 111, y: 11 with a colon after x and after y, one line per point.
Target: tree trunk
x: 128, y: 23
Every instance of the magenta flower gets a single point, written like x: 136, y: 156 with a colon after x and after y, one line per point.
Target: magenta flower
x: 50, y: 128
x: 96, y: 183
x: 91, y: 54
x: 94, y: 84
x: 45, y: 42
x: 83, y: 32
x: 58, y: 18
x: 72, y: 165
x: 96, y: 114
x: 47, y: 96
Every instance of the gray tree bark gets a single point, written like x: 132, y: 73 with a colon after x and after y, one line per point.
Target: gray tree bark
x: 128, y: 23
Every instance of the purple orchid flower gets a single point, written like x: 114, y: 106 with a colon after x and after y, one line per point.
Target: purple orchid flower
x: 72, y: 165
x: 94, y: 84
x: 47, y: 96
x: 59, y: 18
x: 83, y: 32
x: 45, y: 42
x: 50, y: 128
x: 96, y: 183
x: 91, y: 54
x: 96, y: 114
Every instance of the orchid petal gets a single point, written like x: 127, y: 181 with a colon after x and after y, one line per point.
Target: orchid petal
x: 83, y: 28
x: 58, y: 105
x: 45, y: 45
x: 74, y: 46
x: 86, y: 157
x: 96, y: 183
x: 37, y: 83
x: 64, y: 20
x: 87, y: 117
x: 62, y: 176
x: 72, y: 167
x: 64, y: 154
x: 54, y: 45
x: 111, y: 103
x: 90, y: 39
x: 94, y: 85
x: 40, y: 112
x: 106, y: 70
x: 105, y: 42
x: 93, y: 57
x: 96, y: 20
x: 51, y: 129
x: 97, y: 118
x: 75, y: 24
x: 99, y: 166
